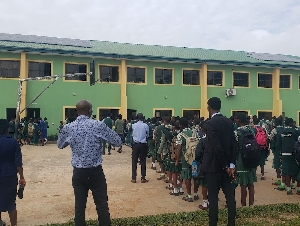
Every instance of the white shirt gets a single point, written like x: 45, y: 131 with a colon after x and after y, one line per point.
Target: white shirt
x: 140, y: 132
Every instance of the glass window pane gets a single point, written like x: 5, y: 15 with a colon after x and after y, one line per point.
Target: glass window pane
x: 76, y: 68
x: 135, y: 75
x: 241, y: 79
x: 9, y: 69
x: 39, y: 69
x: 191, y: 77
x: 215, y: 78
x: 163, y: 76
x: 109, y: 73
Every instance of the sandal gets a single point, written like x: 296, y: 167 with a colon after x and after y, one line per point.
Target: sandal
x: 196, y: 197
x: 187, y: 199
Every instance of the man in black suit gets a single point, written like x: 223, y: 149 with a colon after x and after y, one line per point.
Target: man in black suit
x: 219, y: 161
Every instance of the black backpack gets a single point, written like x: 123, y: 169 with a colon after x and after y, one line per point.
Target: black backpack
x: 296, y: 151
x: 250, y: 150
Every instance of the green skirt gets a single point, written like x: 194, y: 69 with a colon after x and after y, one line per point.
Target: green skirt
x: 186, y: 172
x: 202, y: 182
x: 175, y: 169
x: 276, y: 160
x: 151, y: 146
x: 289, y: 166
x: 246, y: 177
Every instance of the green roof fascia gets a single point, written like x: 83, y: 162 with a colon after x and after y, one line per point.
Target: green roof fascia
x: 145, y: 57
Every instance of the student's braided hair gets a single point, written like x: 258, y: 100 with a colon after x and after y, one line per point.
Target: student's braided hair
x: 3, y: 126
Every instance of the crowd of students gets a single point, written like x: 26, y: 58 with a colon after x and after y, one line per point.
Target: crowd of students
x: 278, y: 135
x: 30, y: 131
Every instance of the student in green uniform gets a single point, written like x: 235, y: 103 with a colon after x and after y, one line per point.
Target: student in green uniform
x: 151, y: 143
x: 199, y: 157
x: 164, y: 147
x: 290, y: 169
x: 109, y: 122
x: 264, y: 148
x: 157, y: 140
x: 119, y: 129
x: 36, y: 132
x: 128, y: 138
x: 30, y: 131
x: 175, y: 170
x: 245, y: 177
x: 186, y: 172
x: 274, y: 140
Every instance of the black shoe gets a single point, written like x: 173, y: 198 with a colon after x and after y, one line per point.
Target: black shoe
x: 109, y: 153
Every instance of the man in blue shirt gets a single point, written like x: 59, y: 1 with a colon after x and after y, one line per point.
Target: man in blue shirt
x: 84, y: 136
x: 10, y: 166
x: 140, y: 133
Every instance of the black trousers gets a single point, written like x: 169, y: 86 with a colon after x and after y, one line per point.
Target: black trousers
x: 215, y: 181
x: 90, y: 179
x: 139, y: 150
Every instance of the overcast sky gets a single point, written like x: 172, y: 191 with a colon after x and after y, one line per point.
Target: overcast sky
x: 271, y: 26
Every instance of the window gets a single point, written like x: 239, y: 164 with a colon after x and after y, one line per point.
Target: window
x: 136, y: 75
x: 264, y: 80
x: 191, y: 114
x: 235, y: 113
x: 163, y: 76
x: 264, y: 115
x: 214, y: 78
x: 39, y: 69
x: 109, y: 73
x: 285, y: 81
x: 9, y: 69
x: 76, y: 68
x: 70, y: 114
x: 103, y: 113
x: 191, y: 77
x: 162, y: 113
x: 241, y: 79
x: 131, y: 113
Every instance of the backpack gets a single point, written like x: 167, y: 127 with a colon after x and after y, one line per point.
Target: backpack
x: 173, y: 149
x: 250, y: 150
x: 190, y: 145
x: 261, y: 137
x: 30, y: 128
x: 296, y: 151
x: 288, y: 138
x: 151, y: 130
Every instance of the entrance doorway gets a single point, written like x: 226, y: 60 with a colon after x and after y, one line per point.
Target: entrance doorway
x: 131, y: 114
x: 264, y: 114
x: 10, y: 113
x: 162, y: 113
x: 33, y: 113
x: 105, y: 112
x: 191, y: 114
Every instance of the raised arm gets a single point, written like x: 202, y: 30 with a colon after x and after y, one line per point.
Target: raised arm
x: 104, y: 132
x: 63, y: 139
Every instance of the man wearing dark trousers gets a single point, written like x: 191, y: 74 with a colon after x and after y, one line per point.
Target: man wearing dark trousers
x: 84, y: 136
x: 219, y: 161
x: 140, y: 133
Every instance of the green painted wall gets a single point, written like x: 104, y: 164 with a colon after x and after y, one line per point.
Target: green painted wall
x: 252, y: 98
x: 8, y: 88
x: 290, y: 97
x: 143, y: 98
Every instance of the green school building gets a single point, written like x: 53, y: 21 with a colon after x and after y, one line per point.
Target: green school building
x: 155, y: 80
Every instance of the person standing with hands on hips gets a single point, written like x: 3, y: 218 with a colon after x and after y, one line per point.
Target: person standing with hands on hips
x: 140, y: 133
x: 219, y: 161
x: 10, y: 165
x: 85, y: 136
